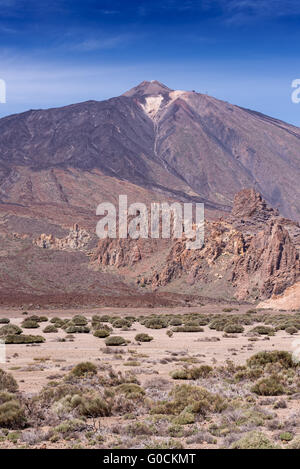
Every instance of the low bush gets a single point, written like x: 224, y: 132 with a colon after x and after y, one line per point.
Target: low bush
x: 233, y: 328
x: 175, y: 322
x: 120, y: 323
x: 291, y: 330
x: 77, y: 329
x: 50, y: 329
x: 12, y: 415
x: 263, y: 330
x: 10, y: 329
x: 101, y: 333
x: 93, y: 406
x: 115, y: 340
x: 218, y: 324
x: 58, y: 322
x: 36, y: 318
x: 283, y: 358
x: 24, y: 339
x: 130, y: 389
x: 4, y: 321
x: 30, y: 324
x: 192, y: 399
x: 271, y: 386
x: 79, y: 320
x: 143, y: 338
x: 253, y: 440
x: 192, y: 373
x: 187, y: 328
x: 70, y: 426
x: 83, y: 369
x: 7, y: 382
x: 185, y: 418
x: 156, y: 323
x: 286, y: 436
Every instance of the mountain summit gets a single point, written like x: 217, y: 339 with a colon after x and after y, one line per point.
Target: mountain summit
x: 148, y: 88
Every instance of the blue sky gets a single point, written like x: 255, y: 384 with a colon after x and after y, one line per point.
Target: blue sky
x: 60, y: 52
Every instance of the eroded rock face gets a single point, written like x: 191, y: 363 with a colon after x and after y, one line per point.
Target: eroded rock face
x: 269, y: 266
x: 76, y: 239
x: 255, y: 253
x: 249, y: 208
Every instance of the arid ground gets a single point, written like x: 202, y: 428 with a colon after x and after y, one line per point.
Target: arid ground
x: 191, y: 384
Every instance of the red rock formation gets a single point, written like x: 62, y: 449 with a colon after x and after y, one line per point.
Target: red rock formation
x: 251, y: 253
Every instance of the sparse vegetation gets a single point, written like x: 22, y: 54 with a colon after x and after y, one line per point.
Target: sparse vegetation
x: 201, y: 402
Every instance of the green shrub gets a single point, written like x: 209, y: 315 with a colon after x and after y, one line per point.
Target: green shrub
x: 101, y: 333
x: 50, y: 329
x: 10, y: 329
x: 192, y: 373
x: 175, y: 322
x: 105, y: 318
x: 77, y: 330
x: 36, y: 318
x: 291, y: 330
x: 203, y: 321
x: 30, y: 324
x: 263, y: 330
x: 143, y: 338
x: 120, y: 323
x: 286, y: 436
x: 233, y: 328
x: 268, y: 387
x: 12, y: 415
x: 283, y: 358
x: 79, y: 320
x: 180, y: 374
x: 7, y: 382
x: 4, y: 320
x: 192, y: 399
x: 54, y: 392
x: 93, y: 406
x: 70, y: 426
x: 218, y: 324
x: 58, y: 322
x: 185, y: 418
x: 83, y: 369
x: 155, y: 323
x: 115, y: 340
x: 24, y: 339
x: 253, y: 440
x: 130, y: 389
x: 187, y: 328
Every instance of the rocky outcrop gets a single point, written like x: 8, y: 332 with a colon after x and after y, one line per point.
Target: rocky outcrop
x: 250, y: 210
x: 77, y: 239
x: 254, y: 253
x: 288, y: 301
x: 269, y: 266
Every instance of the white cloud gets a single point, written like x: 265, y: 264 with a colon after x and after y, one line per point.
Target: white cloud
x: 93, y: 44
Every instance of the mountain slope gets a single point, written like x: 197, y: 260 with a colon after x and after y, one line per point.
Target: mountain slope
x: 181, y: 144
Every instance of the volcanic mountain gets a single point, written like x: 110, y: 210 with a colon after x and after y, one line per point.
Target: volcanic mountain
x: 153, y: 144
x: 181, y: 144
